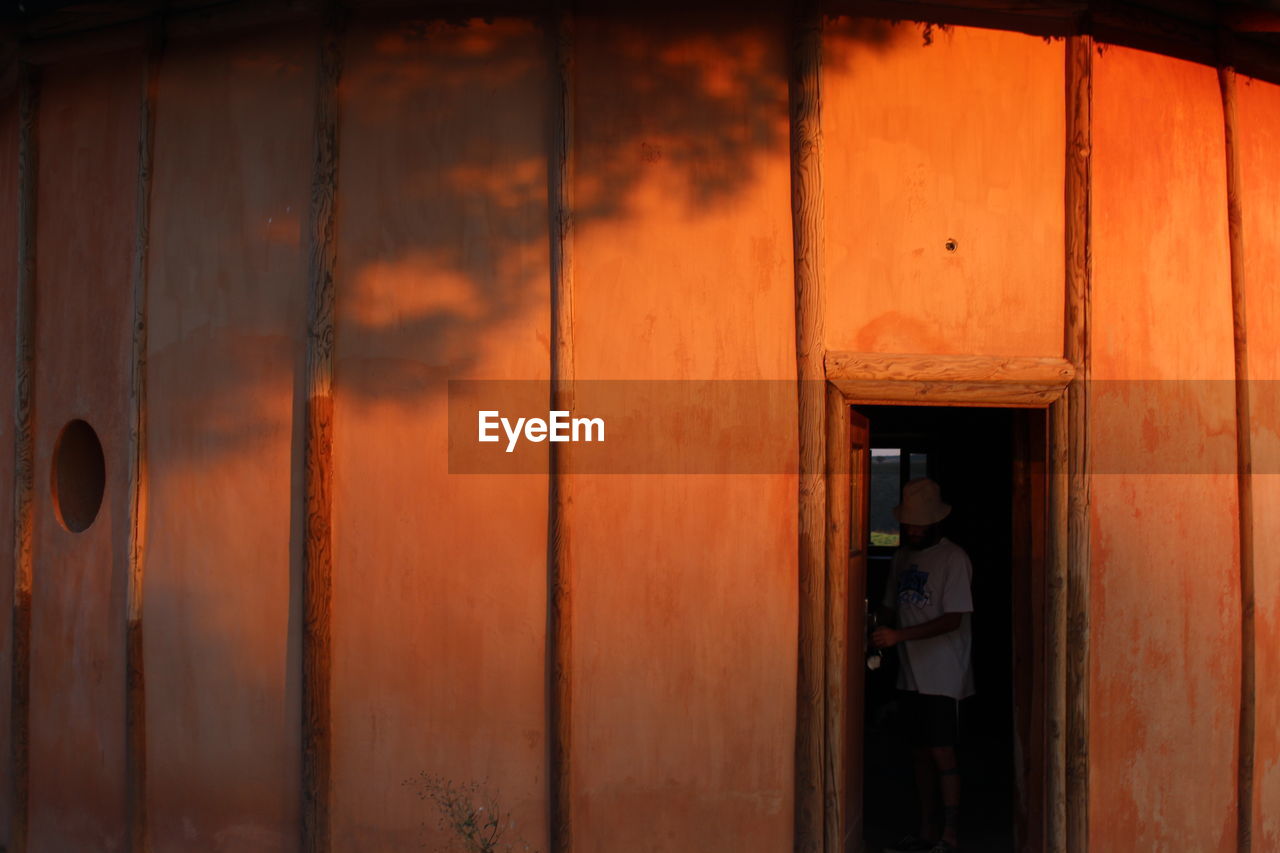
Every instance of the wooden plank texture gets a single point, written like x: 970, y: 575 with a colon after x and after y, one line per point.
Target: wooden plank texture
x: 1244, y: 469
x: 836, y: 666
x: 807, y: 235
x: 318, y: 461
x: 24, y: 458
x: 953, y: 379
x: 857, y: 539
x: 895, y: 392
x: 1056, y: 634
x: 984, y: 369
x: 559, y: 568
x: 135, y: 672
x: 1079, y: 80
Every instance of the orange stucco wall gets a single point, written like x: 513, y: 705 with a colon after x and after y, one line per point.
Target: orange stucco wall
x: 86, y: 182
x: 1164, y: 607
x: 226, y: 313
x: 960, y: 139
x: 1259, y: 120
x: 684, y: 611
x: 439, y: 581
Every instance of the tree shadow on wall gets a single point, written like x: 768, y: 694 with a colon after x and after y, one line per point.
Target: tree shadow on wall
x: 442, y: 209
x: 442, y: 272
x: 443, y: 225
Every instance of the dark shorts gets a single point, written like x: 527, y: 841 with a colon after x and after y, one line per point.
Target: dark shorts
x: 929, y: 721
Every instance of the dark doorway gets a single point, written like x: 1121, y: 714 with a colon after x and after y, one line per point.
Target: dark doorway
x: 989, y: 463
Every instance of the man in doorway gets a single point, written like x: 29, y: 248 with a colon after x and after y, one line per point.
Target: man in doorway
x: 928, y: 592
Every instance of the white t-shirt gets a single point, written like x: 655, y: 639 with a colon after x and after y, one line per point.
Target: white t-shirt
x: 923, y: 585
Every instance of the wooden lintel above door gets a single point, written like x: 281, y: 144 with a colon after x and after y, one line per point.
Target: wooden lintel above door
x: 982, y: 380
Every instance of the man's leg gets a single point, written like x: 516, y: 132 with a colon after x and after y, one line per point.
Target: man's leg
x: 944, y: 758
x: 926, y: 788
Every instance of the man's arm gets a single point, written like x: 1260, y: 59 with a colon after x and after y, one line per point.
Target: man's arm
x: 885, y: 637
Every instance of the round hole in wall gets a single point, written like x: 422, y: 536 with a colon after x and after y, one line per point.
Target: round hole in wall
x: 79, y: 476
x: 951, y: 245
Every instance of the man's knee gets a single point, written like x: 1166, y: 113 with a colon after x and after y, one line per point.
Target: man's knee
x: 944, y: 758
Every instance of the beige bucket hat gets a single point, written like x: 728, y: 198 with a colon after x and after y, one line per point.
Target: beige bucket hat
x: 921, y: 503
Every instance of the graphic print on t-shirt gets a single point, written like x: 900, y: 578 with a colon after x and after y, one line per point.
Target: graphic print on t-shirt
x: 912, y: 586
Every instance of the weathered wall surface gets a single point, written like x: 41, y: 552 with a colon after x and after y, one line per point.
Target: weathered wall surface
x: 1259, y: 135
x: 439, y: 580
x: 961, y: 139
x: 684, y: 610
x: 1165, y: 596
x: 227, y: 318
x: 88, y: 135
x: 8, y: 300
x: 685, y: 586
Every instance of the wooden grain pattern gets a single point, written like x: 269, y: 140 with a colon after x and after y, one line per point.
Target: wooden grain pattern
x: 1037, y: 427
x: 1244, y: 469
x: 318, y: 459
x: 859, y: 518
x: 986, y: 369
x: 24, y: 456
x: 1036, y: 749
x: 135, y: 671
x: 1030, y: 631
x: 1022, y: 632
x: 1079, y: 264
x: 805, y: 71
x: 897, y: 392
x: 836, y: 662
x: 1055, y: 785
x: 559, y: 569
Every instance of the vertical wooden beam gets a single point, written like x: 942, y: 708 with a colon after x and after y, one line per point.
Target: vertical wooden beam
x: 318, y: 456
x: 1077, y: 345
x: 1035, y: 428
x: 836, y: 662
x: 559, y: 569
x: 805, y: 70
x: 1244, y: 467
x: 24, y: 452
x: 135, y: 673
x: 1056, y: 634
x: 1022, y: 629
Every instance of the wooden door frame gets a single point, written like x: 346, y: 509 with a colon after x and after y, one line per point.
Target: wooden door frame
x: 908, y: 379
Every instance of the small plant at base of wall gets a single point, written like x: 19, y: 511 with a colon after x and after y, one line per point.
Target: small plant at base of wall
x: 469, y: 814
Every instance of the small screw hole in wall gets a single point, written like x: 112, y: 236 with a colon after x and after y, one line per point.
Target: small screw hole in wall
x: 79, y: 476
x: 951, y: 245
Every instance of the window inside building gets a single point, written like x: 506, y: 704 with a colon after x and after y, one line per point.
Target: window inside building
x: 891, y: 468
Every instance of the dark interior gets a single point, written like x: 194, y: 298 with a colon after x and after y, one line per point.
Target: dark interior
x: 970, y: 453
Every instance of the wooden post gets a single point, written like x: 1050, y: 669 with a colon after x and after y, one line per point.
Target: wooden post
x: 1244, y: 467
x: 24, y: 453
x: 1034, y: 551
x: 807, y: 236
x: 559, y: 569
x: 135, y: 674
x: 837, y: 616
x: 1077, y: 345
x: 1056, y: 633
x: 318, y: 462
